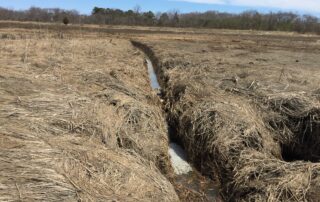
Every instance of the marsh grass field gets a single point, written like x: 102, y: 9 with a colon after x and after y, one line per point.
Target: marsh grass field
x: 79, y: 120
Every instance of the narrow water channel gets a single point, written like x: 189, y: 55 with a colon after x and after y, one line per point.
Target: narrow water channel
x: 186, y: 176
x: 177, y: 155
x: 152, y: 75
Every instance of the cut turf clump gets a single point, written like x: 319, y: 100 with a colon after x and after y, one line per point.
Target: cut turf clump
x: 298, y: 126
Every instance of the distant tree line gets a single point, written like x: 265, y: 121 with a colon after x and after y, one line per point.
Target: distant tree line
x: 40, y: 15
x: 280, y: 21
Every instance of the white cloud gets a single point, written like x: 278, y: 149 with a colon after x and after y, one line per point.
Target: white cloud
x: 297, y: 5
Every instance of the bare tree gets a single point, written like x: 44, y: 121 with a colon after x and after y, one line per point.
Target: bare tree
x: 137, y: 9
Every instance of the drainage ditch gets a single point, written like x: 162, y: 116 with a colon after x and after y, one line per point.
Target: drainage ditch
x: 189, y: 183
x: 253, y: 169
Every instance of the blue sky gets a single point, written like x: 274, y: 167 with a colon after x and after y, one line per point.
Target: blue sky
x: 85, y: 6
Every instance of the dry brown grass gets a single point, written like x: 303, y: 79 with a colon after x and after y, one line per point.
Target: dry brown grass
x: 246, y: 107
x: 78, y: 121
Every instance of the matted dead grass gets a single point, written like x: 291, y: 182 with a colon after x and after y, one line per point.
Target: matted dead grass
x: 78, y: 121
x: 247, y: 109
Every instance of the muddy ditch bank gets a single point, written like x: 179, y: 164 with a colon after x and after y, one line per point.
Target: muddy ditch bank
x: 264, y: 151
x: 189, y: 183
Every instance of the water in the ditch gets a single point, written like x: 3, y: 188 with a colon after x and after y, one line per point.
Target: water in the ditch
x: 185, y: 174
x: 152, y: 75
